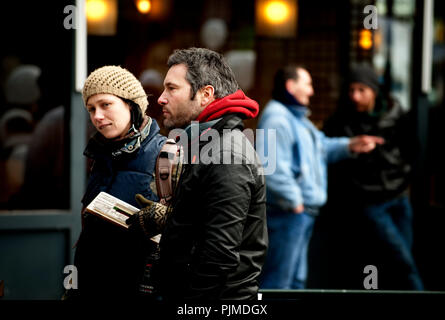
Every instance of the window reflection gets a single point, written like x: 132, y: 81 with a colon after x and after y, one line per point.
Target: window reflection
x: 437, y: 112
x: 32, y: 165
x: 35, y: 95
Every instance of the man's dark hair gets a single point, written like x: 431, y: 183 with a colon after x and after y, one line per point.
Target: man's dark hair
x: 205, y: 67
x: 283, y: 74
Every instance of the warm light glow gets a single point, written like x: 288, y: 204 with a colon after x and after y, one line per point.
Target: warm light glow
x: 101, y: 17
x: 96, y: 9
x: 144, y: 6
x: 276, y: 11
x: 365, y: 39
x: 276, y: 18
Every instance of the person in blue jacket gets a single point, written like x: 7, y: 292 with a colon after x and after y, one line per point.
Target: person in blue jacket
x: 296, y: 189
x: 109, y: 258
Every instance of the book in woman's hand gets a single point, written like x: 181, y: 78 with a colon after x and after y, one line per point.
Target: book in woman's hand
x: 111, y: 209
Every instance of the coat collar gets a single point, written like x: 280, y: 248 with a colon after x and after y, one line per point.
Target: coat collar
x: 97, y: 145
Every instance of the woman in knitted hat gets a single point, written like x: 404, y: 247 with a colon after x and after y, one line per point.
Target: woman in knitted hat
x: 109, y: 258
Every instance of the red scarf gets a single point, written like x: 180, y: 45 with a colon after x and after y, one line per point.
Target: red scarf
x: 236, y: 102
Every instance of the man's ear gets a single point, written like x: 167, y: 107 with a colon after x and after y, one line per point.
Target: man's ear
x: 290, y: 84
x: 207, y: 95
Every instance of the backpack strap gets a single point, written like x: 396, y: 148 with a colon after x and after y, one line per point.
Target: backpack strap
x: 168, y: 165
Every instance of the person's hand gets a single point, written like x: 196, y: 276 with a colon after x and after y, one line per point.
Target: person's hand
x: 134, y: 223
x: 143, y: 202
x: 150, y: 219
x: 364, y: 143
x: 299, y: 209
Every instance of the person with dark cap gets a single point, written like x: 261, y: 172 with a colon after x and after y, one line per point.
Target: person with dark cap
x: 375, y: 185
x: 110, y: 259
x: 296, y: 190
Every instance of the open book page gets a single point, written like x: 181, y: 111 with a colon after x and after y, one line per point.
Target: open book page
x: 111, y: 209
x: 114, y: 210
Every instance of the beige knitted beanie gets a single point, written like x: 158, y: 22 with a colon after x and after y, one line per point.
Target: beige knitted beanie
x: 118, y: 81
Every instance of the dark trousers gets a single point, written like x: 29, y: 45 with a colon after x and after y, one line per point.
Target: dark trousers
x: 390, y: 226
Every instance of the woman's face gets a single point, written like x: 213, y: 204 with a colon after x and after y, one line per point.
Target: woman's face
x: 110, y: 115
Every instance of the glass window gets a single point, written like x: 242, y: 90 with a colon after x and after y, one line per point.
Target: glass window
x: 437, y: 111
x: 393, y: 47
x: 35, y: 96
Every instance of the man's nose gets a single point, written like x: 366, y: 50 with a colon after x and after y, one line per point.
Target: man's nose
x: 162, y: 100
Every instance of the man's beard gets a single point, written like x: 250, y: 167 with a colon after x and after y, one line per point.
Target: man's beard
x: 170, y: 124
x: 182, y: 120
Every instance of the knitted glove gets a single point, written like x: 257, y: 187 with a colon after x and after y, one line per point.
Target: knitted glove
x: 150, y: 219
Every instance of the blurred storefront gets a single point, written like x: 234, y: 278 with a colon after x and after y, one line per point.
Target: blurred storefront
x: 40, y: 214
